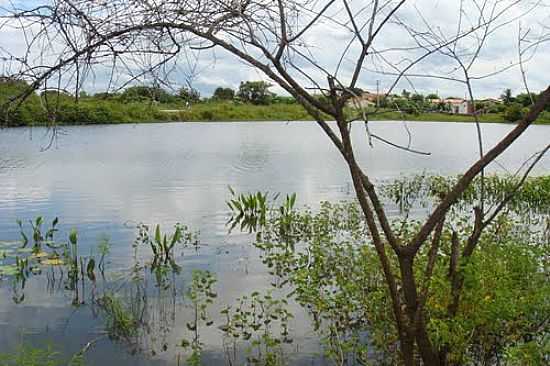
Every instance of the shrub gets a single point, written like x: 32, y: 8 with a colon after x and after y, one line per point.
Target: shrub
x: 513, y: 112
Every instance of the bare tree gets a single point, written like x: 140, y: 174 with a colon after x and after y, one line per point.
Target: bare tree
x: 67, y: 40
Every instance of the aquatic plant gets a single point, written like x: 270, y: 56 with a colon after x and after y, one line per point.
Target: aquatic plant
x: 249, y: 210
x: 324, y: 260
x: 263, y: 34
x: 121, y: 323
x: 328, y: 263
x: 201, y: 295
x: 46, y: 252
x: 26, y: 355
x: 261, y: 322
x: 162, y: 245
x: 529, y: 197
x: 104, y: 248
x: 39, y: 238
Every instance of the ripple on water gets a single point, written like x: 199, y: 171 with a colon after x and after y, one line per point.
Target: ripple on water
x: 253, y: 157
x: 11, y: 163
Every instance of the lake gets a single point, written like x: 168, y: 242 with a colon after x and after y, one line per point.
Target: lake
x: 104, y: 180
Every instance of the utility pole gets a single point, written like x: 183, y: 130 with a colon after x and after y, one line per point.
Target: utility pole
x: 377, y: 93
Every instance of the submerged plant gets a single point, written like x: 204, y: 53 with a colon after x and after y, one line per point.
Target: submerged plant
x: 27, y: 356
x: 201, y: 295
x: 121, y: 323
x: 262, y: 323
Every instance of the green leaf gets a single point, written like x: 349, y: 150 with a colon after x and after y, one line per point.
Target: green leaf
x: 73, y: 237
x: 158, y: 239
x: 25, y: 239
x: 292, y: 200
x: 176, y: 238
x: 8, y: 270
x: 90, y: 268
x: 185, y: 343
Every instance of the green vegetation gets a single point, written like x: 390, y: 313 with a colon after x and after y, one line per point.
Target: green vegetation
x: 163, y: 245
x: 201, y: 295
x: 251, y: 102
x: 223, y: 94
x: 437, y: 117
x: 329, y: 266
x: 533, y: 197
x: 26, y: 355
x: 121, y: 322
x: 238, y: 111
x: 324, y: 261
x: 261, y: 321
x: 255, y: 92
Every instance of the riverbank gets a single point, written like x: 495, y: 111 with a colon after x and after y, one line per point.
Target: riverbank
x: 113, y: 112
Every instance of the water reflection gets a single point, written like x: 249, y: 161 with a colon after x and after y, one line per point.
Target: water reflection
x: 98, y: 179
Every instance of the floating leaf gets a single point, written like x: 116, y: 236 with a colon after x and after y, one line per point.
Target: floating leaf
x: 5, y: 253
x: 52, y: 244
x: 8, y: 270
x: 10, y: 243
x: 25, y: 250
x: 53, y: 262
x: 40, y: 254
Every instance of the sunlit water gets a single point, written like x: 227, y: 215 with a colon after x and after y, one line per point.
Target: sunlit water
x: 106, y: 179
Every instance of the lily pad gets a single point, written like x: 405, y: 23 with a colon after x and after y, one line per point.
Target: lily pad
x: 5, y: 253
x: 40, y: 254
x: 10, y: 243
x: 24, y: 250
x: 8, y: 270
x: 53, y: 262
x: 53, y: 244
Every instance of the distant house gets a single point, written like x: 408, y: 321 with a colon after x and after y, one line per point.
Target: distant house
x: 491, y: 100
x: 435, y: 101
x: 459, y: 106
x: 365, y: 100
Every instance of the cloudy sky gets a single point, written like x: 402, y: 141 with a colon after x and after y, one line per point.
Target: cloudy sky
x: 393, y: 50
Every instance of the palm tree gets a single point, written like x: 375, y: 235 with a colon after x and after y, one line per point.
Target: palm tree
x: 507, y: 96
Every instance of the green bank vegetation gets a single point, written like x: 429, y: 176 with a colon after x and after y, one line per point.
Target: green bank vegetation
x: 324, y: 261
x: 27, y: 355
x: 251, y: 102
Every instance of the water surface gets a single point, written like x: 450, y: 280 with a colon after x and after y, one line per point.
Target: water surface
x: 106, y: 179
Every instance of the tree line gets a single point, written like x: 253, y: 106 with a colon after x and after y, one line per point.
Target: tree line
x: 138, y: 103
x: 145, y: 103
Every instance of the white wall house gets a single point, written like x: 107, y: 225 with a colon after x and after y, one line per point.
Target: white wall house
x: 460, y: 106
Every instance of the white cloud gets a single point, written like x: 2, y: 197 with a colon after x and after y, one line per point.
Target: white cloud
x: 327, y: 41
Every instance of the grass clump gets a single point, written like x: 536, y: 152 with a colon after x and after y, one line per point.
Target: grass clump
x: 26, y: 355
